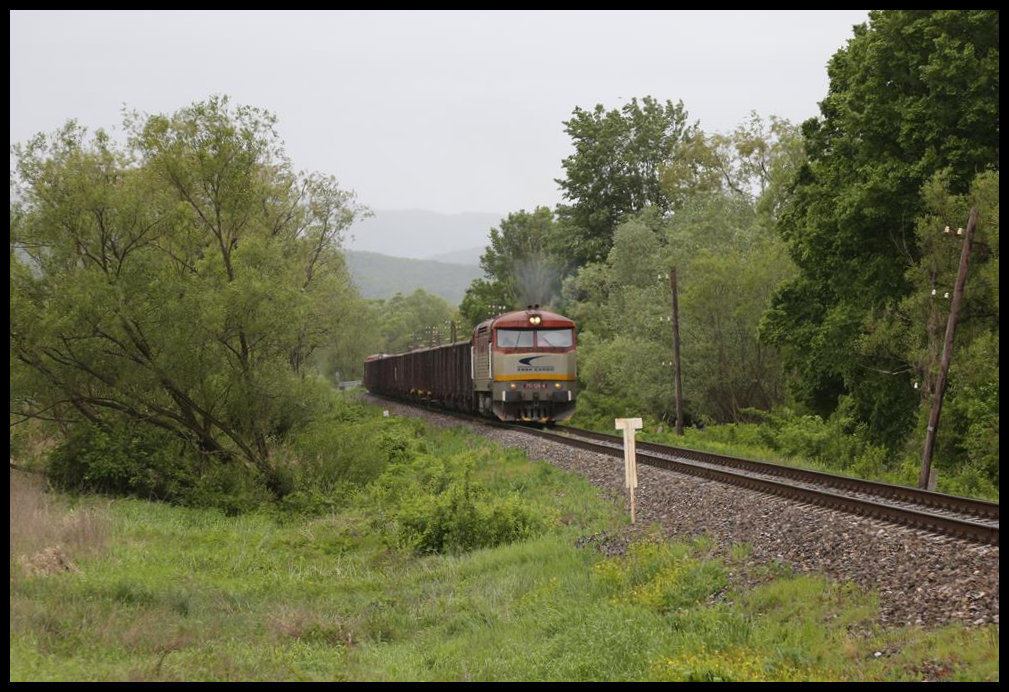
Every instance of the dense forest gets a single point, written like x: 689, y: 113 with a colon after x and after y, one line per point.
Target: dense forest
x: 180, y: 302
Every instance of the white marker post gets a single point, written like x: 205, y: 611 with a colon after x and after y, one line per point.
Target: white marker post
x: 629, y: 425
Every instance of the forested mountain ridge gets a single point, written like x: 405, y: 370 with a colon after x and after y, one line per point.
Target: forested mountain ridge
x: 381, y: 276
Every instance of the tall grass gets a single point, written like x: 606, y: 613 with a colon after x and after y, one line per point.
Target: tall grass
x: 46, y: 534
x: 163, y: 593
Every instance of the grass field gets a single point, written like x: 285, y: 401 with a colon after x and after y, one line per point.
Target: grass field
x: 389, y: 586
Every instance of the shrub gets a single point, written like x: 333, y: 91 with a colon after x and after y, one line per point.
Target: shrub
x: 328, y: 452
x: 434, y: 505
x: 871, y: 462
x: 132, y: 459
x: 232, y: 488
x: 330, y: 458
x: 463, y: 518
x: 125, y: 458
x: 400, y: 443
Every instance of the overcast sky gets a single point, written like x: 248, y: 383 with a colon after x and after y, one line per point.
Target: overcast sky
x: 445, y: 111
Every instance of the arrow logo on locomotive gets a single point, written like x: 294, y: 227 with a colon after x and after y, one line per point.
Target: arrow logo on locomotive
x: 526, y: 365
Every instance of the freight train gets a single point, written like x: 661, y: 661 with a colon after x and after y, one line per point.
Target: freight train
x: 518, y: 366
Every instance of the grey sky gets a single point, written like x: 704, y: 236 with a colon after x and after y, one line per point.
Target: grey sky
x: 446, y: 111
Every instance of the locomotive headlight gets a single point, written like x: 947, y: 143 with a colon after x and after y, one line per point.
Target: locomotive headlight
x: 535, y: 320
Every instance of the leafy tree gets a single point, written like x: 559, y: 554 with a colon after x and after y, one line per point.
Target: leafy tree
x: 182, y: 280
x: 342, y: 358
x: 914, y: 92
x: 484, y: 299
x: 623, y: 296
x: 755, y: 162
x: 615, y: 170
x: 728, y: 266
x: 727, y: 190
x: 912, y: 331
x: 520, y: 266
x: 413, y: 321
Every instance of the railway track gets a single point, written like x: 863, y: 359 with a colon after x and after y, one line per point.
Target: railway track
x: 960, y: 517
x: 937, y: 513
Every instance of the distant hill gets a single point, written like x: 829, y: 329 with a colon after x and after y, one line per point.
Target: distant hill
x: 382, y: 276
x: 470, y: 256
x: 421, y: 234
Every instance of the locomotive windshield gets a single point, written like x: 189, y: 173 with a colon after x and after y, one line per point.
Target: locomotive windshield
x: 555, y: 338
x: 515, y: 338
x: 542, y: 338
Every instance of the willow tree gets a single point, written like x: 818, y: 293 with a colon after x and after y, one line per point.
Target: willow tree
x: 180, y: 279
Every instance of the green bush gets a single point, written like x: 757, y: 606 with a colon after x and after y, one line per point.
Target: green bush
x: 328, y: 459
x: 313, y: 501
x: 400, y: 442
x: 597, y: 411
x: 232, y: 488
x: 871, y: 463
x: 124, y: 458
x: 327, y: 453
x: 463, y: 518
x: 128, y: 458
x: 434, y: 505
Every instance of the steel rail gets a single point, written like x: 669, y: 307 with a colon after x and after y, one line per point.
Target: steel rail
x: 735, y: 472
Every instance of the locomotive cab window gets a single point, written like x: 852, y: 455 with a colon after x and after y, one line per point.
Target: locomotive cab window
x: 515, y: 338
x: 541, y: 338
x: 555, y: 338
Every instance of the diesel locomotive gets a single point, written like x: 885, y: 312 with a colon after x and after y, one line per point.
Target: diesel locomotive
x: 518, y: 366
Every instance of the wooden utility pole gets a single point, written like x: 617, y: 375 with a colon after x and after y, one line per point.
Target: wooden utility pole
x: 947, y: 353
x: 677, y: 382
